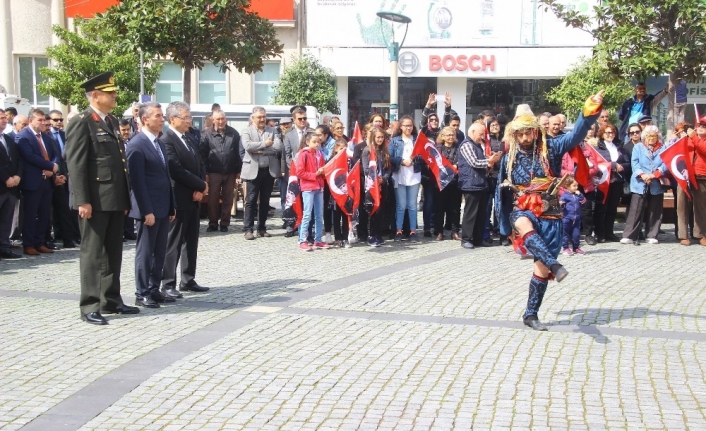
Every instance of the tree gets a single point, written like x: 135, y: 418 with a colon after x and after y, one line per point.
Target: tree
x: 643, y: 38
x: 83, y: 55
x: 584, y: 78
x: 306, y: 82
x: 194, y: 32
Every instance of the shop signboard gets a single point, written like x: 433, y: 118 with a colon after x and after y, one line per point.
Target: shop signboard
x: 696, y: 91
x: 443, y: 23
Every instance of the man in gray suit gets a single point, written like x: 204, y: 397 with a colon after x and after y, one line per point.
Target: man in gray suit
x: 294, y: 137
x: 261, y: 165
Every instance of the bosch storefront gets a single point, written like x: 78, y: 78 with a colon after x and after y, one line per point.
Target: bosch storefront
x: 489, y: 54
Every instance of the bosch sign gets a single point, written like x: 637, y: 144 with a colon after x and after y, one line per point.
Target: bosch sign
x: 462, y: 63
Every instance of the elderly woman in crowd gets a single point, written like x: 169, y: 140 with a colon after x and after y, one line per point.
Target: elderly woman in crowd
x: 612, y: 150
x: 448, y: 203
x: 646, y: 187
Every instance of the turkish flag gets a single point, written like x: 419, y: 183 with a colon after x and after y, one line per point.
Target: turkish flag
x: 604, y: 181
x: 599, y: 158
x: 356, y: 138
x: 581, y: 166
x: 292, y: 214
x: 336, y: 173
x: 440, y: 166
x: 677, y: 160
x: 372, y: 185
x: 353, y: 183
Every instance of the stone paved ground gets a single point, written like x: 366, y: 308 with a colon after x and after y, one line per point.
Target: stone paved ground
x: 423, y: 336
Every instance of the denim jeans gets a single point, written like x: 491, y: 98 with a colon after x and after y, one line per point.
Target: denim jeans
x: 312, y: 199
x: 406, y: 199
x: 430, y: 192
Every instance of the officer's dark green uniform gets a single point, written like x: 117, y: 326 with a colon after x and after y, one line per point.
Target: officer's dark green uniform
x: 95, y: 157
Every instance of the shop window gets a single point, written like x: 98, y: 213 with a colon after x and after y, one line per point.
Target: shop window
x: 30, y: 77
x: 169, y: 87
x: 212, y: 84
x: 264, y: 82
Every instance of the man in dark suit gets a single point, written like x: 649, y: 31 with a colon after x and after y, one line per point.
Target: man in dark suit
x: 40, y: 164
x: 65, y: 219
x: 10, y: 176
x: 188, y: 175
x: 152, y: 205
x: 100, y: 192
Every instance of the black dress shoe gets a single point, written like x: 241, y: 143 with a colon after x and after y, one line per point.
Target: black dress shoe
x: 130, y: 236
x: 161, y: 299
x: 123, y: 309
x: 51, y: 246
x: 263, y: 234
x: 224, y: 228
x: 69, y: 244
x: 212, y: 228
x: 534, y: 323
x: 172, y: 292
x: 10, y: 255
x: 612, y: 238
x: 94, y: 318
x: 193, y: 288
x: 487, y: 243
x: 146, y: 301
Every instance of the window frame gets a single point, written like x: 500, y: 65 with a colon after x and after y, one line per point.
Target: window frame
x: 269, y: 83
x: 35, y: 72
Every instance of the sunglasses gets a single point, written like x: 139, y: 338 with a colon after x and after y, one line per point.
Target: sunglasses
x: 58, y: 120
x: 301, y: 119
x: 436, y: 120
x: 635, y: 132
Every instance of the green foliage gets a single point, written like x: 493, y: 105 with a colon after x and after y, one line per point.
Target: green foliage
x: 643, y: 38
x: 306, y: 82
x: 585, y: 78
x: 193, y: 33
x: 85, y: 54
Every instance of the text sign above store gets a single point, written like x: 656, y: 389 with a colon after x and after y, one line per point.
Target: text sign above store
x: 696, y: 91
x: 450, y: 63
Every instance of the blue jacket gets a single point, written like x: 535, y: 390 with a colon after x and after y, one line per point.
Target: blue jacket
x: 626, y: 108
x: 645, y: 163
x: 571, y: 205
x: 33, y: 161
x: 396, y: 148
x: 470, y: 178
x: 149, y: 179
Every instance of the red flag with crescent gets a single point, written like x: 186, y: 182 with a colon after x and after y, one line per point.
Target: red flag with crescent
x: 677, y: 160
x: 604, y: 167
x: 336, y: 173
x: 372, y: 184
x: 353, y: 200
x: 581, y: 166
x: 293, y: 208
x: 440, y: 166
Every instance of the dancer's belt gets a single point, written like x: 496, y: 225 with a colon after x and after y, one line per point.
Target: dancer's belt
x: 541, y: 197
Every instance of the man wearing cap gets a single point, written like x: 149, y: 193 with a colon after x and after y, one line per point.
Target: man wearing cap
x: 100, y: 191
x: 639, y: 105
x: 644, y: 121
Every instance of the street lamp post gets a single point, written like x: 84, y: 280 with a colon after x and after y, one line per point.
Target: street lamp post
x: 394, y: 49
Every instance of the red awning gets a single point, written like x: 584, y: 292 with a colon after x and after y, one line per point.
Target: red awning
x: 87, y: 8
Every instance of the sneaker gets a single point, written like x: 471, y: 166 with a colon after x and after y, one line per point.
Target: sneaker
x: 567, y: 252
x: 380, y: 240
x: 652, y: 241
x: 372, y: 242
x: 625, y: 241
x: 590, y: 240
x: 352, y: 238
x: 304, y: 246
x: 321, y: 245
x: 398, y: 237
x: 579, y: 251
x: 345, y: 244
x: 327, y: 238
x: 427, y: 234
x: 413, y: 237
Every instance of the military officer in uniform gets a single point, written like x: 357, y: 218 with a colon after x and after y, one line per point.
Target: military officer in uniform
x: 100, y: 191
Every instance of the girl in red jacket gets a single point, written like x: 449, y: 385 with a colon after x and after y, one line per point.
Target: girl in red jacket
x: 310, y: 170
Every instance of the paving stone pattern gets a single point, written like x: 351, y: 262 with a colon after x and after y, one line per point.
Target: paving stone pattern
x: 405, y: 336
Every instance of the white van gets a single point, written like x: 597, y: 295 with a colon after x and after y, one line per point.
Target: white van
x: 12, y: 101
x: 239, y: 115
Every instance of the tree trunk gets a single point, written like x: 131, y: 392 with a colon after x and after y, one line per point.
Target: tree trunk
x: 671, y: 121
x: 187, y: 83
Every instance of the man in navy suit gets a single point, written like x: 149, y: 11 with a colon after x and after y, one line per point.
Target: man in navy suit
x: 10, y: 176
x: 152, y: 205
x: 65, y: 219
x: 188, y: 174
x: 40, y: 164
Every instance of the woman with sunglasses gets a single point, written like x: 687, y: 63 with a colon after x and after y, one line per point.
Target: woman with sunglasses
x: 612, y: 150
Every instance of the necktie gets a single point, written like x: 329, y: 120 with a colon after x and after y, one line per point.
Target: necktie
x: 188, y: 146
x: 159, y: 150
x: 41, y: 147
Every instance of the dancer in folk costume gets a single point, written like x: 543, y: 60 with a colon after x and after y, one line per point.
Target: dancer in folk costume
x: 529, y: 169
